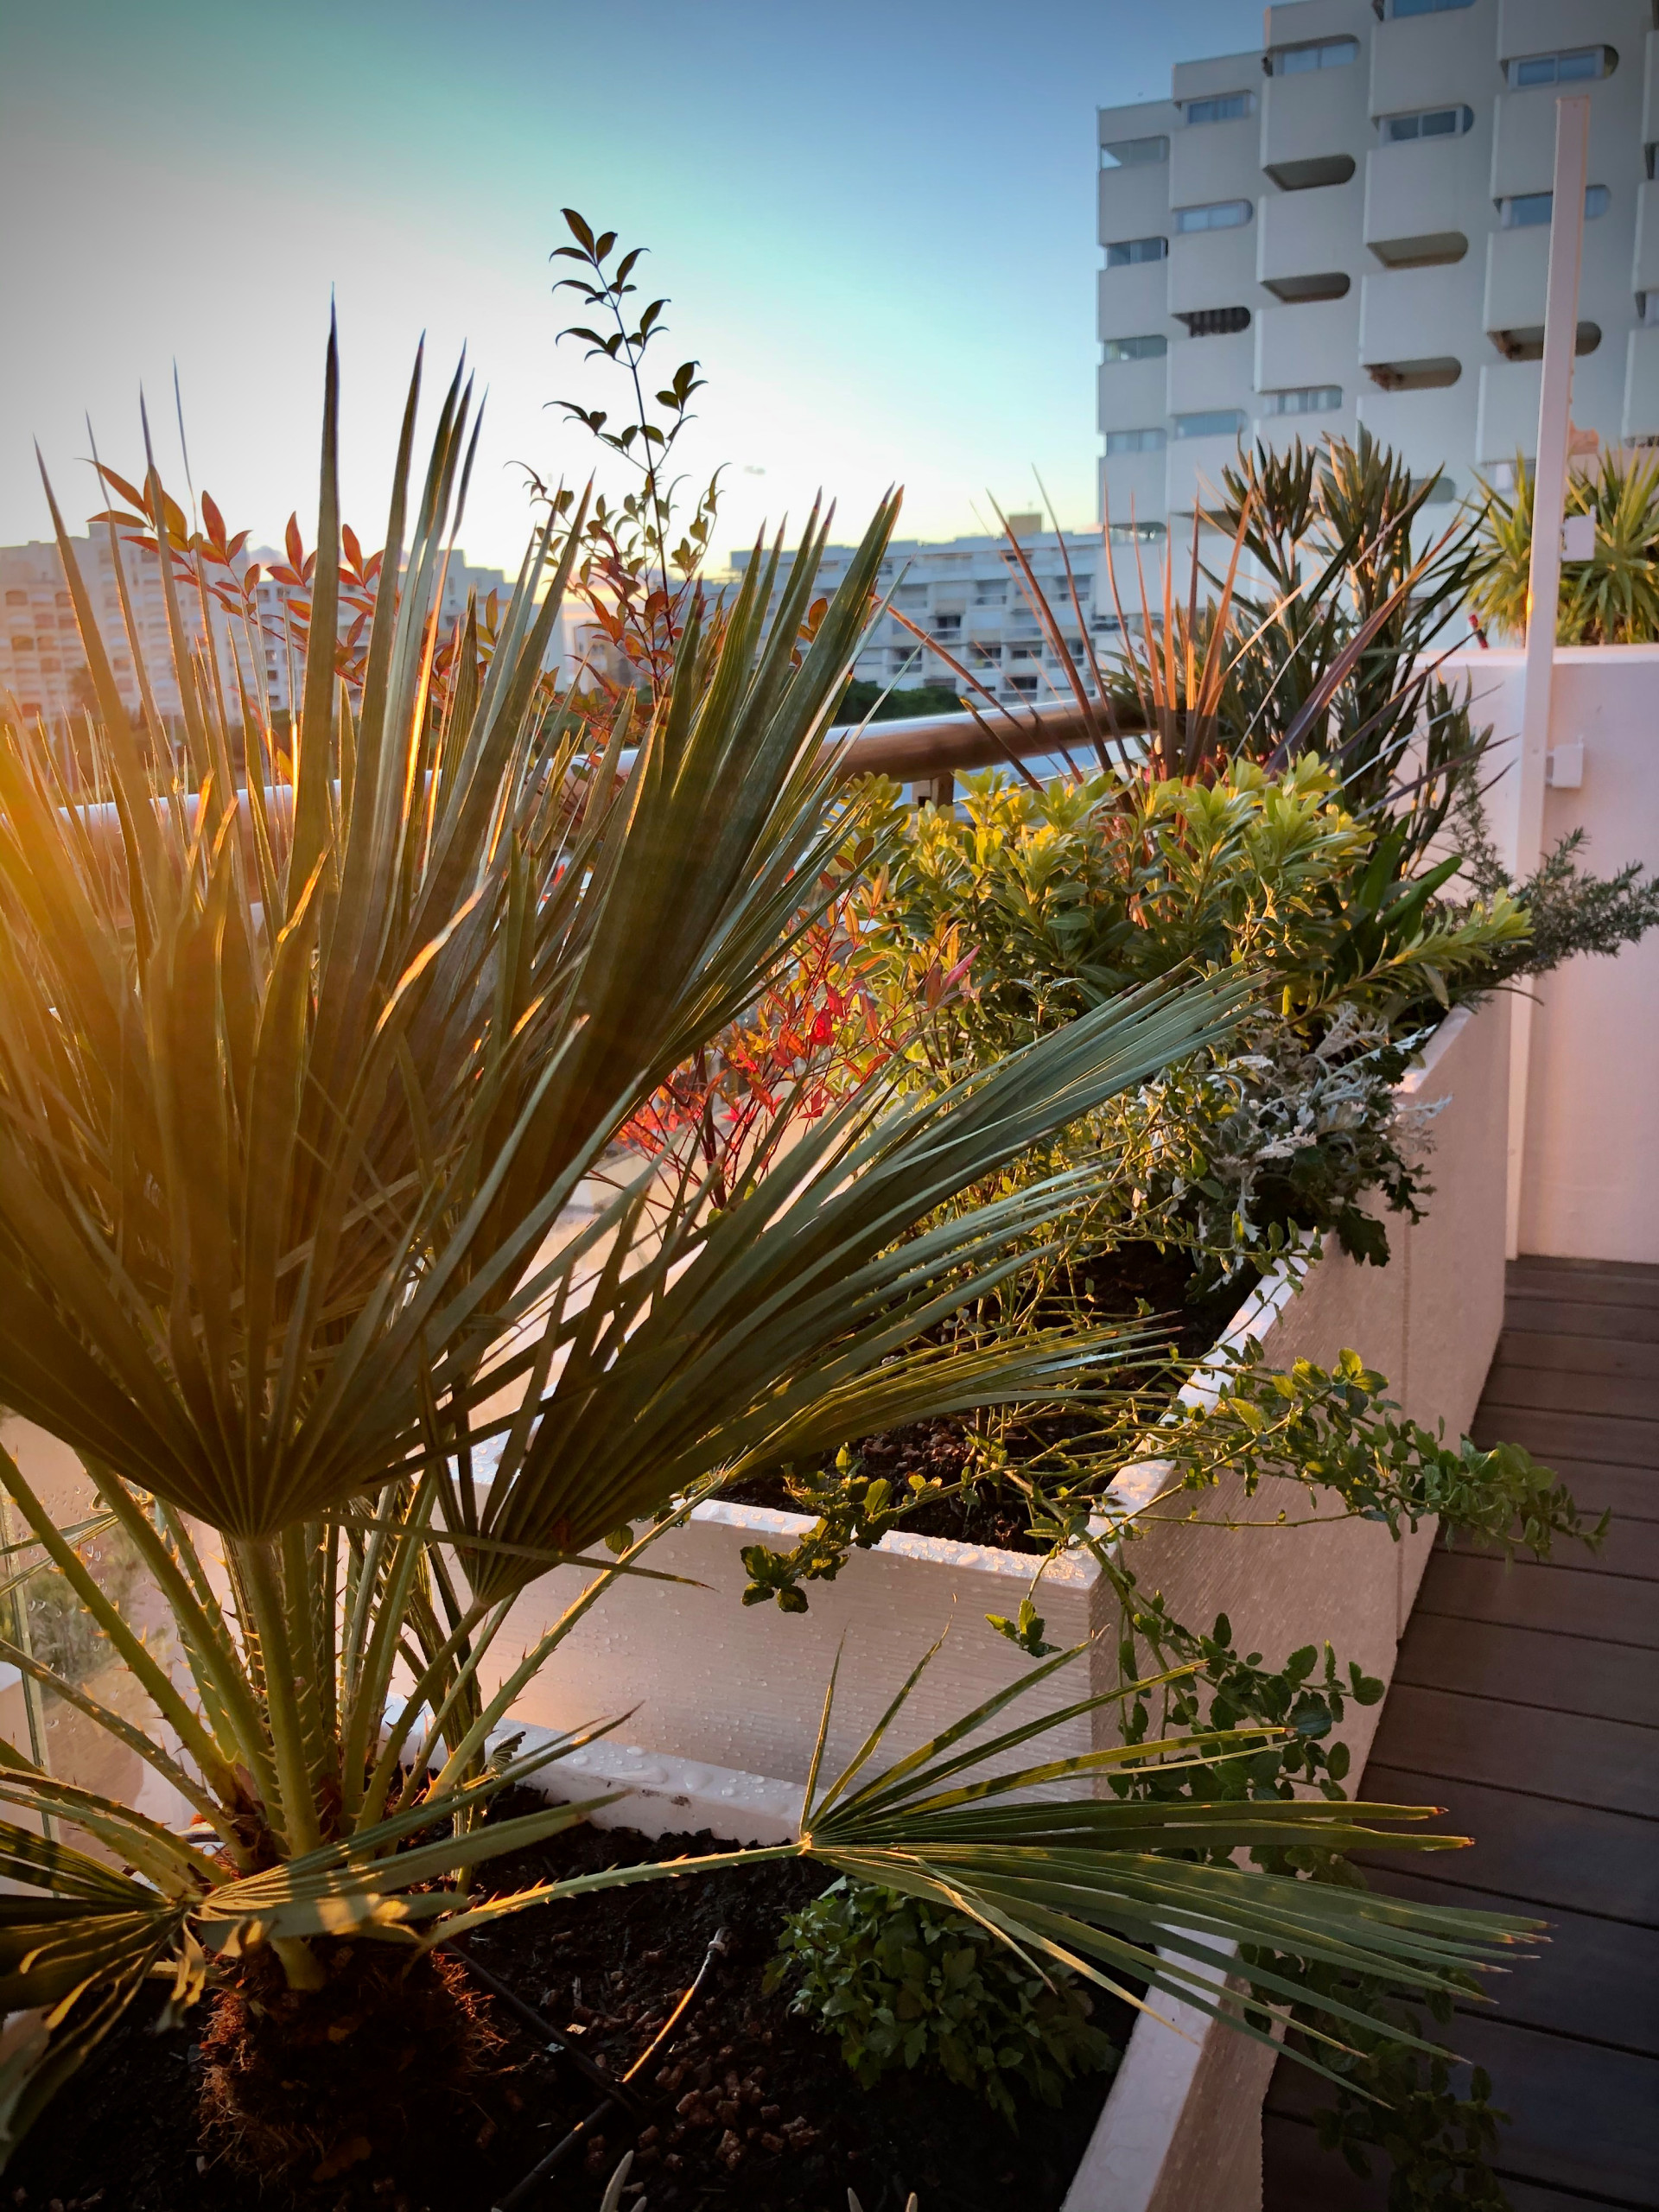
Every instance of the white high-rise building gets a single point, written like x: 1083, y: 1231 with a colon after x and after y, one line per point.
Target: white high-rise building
x: 1351, y: 226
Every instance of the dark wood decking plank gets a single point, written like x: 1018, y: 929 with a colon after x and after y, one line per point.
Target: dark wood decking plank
x: 1607, y: 1608
x: 1629, y: 1548
x: 1528, y: 1667
x: 1298, y: 2176
x: 1594, y: 1978
x: 1580, y: 2116
x: 1549, y: 1436
x: 1594, y: 1358
x: 1575, y: 1758
x: 1569, y: 1390
x: 1570, y: 1317
x: 1631, y: 1493
x: 1599, y: 1281
x: 1550, y: 1856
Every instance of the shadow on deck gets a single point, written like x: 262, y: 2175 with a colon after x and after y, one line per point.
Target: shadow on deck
x: 1527, y: 1701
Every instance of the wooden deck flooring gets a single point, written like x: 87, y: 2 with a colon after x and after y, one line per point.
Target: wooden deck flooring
x: 1527, y: 1701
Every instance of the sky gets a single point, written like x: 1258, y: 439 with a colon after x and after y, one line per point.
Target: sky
x: 873, y: 221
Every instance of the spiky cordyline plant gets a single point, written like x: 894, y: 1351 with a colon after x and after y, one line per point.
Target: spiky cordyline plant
x: 295, y: 1084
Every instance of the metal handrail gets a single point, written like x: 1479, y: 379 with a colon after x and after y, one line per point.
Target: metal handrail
x: 923, y: 746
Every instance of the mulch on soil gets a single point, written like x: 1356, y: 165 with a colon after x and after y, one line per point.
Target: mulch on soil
x: 752, y: 2108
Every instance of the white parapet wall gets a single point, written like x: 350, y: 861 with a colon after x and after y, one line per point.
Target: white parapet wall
x: 1593, y: 1101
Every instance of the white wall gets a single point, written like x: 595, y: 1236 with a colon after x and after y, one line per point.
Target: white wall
x: 1592, y: 1106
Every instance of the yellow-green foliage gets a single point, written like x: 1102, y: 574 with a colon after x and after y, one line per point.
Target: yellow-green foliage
x: 1068, y: 893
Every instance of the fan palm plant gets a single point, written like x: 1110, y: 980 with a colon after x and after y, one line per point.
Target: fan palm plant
x: 296, y: 1081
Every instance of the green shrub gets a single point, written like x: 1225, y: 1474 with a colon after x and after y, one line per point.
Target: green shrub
x: 1612, y: 599
x: 903, y: 1983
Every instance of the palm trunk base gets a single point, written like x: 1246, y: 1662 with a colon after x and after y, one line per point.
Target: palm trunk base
x: 312, y: 2082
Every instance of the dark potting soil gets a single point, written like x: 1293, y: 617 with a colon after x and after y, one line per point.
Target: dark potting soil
x: 751, y: 2107
x: 1136, y: 1283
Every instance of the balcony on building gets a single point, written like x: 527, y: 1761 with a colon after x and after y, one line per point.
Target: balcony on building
x: 1211, y: 269
x: 1315, y: 344
x: 1134, y: 197
x: 1530, y: 26
x: 1203, y: 446
x: 1640, y: 413
x: 1132, y: 298
x: 1644, y: 270
x: 1132, y: 484
x: 1206, y: 373
x: 1308, y: 243
x: 1213, y: 150
x: 1518, y: 266
x: 1432, y: 60
x: 1420, y: 194
x: 1132, y: 390
x: 1314, y: 101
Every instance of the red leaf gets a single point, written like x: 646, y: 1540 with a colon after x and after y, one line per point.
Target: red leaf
x: 129, y: 493
x: 294, y: 543
x: 212, y: 517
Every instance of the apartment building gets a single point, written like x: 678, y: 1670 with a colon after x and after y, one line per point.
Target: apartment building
x: 1352, y: 226
x: 964, y: 593
x: 44, y: 669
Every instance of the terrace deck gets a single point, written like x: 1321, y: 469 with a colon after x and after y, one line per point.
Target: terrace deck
x: 1527, y: 1701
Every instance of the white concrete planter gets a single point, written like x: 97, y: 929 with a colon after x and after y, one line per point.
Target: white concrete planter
x: 727, y: 1698
x: 741, y: 1687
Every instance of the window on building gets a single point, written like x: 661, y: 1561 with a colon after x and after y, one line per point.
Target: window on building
x: 23, y: 644
x: 911, y: 595
x: 1304, y: 399
x: 1130, y: 153
x: 1026, y: 684
x: 1570, y: 67
x: 946, y: 625
x: 1151, y: 348
x: 1427, y: 7
x: 1135, y: 441
x: 1212, y: 423
x: 1429, y: 123
x: 16, y: 598
x: 990, y: 594
x: 1647, y: 308
x: 1215, y: 322
x: 1138, y: 533
x: 1322, y: 54
x: 1215, y: 215
x: 1223, y: 107
x: 1442, y: 489
x: 1524, y: 211
x: 1123, y: 253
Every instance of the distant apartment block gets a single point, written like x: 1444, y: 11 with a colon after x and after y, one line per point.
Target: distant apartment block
x: 44, y: 669
x: 1352, y: 226
x: 965, y: 594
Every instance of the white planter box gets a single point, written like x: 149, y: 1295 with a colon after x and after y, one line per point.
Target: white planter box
x: 710, y: 1680
x: 727, y: 1698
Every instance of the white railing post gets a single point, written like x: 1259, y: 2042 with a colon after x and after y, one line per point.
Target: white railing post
x: 1549, y: 507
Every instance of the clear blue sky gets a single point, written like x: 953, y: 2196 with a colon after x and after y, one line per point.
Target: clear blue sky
x: 875, y: 222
